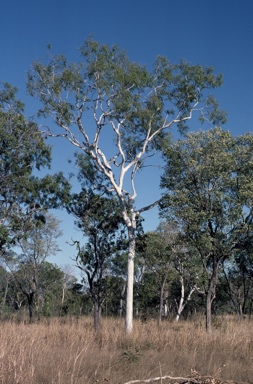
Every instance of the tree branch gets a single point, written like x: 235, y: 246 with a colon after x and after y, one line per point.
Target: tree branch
x: 187, y: 379
x: 148, y: 207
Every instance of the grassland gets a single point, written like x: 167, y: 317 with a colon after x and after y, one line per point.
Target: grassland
x: 66, y: 351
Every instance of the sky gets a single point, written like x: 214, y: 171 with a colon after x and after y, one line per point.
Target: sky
x: 215, y: 33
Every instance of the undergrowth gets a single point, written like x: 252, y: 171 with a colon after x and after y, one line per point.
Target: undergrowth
x: 67, y: 351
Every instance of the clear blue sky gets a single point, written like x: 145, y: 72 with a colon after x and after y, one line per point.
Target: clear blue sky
x: 216, y: 33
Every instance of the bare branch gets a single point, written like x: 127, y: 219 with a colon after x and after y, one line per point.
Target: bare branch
x: 187, y: 379
x: 148, y: 207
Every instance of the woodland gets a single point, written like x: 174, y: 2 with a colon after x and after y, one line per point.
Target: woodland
x: 197, y: 262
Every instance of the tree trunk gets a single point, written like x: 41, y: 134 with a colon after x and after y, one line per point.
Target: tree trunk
x: 97, y: 315
x: 121, y: 300
x: 211, y: 294
x: 137, y: 305
x: 208, y: 312
x: 166, y: 309
x: 30, y: 306
x: 161, y: 299
x: 5, y: 293
x: 183, y: 301
x: 180, y: 306
x: 130, y: 280
x: 63, y: 293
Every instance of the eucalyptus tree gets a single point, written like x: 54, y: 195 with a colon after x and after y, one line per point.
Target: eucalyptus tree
x: 209, y: 190
x: 68, y: 281
x: 158, y: 260
x: 49, y: 293
x: 22, y: 151
x: 24, y: 197
x: 120, y: 113
x: 32, y: 251
x: 187, y: 268
x: 22, y: 148
x: 238, y: 275
x: 5, y: 280
x: 174, y: 264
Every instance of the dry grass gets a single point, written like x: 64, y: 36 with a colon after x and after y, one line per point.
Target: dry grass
x: 66, y: 351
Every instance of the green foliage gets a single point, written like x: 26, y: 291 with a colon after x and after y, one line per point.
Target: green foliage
x: 99, y: 218
x: 116, y: 90
x: 147, y: 293
x: 209, y: 185
x: 209, y: 182
x: 22, y: 146
x: 41, y: 240
x: 29, y: 268
x: 22, y: 150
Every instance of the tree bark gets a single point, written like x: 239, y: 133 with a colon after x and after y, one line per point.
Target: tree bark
x: 208, y: 312
x: 5, y: 293
x: 161, y: 299
x: 30, y: 306
x: 211, y: 294
x: 183, y: 301
x: 180, y: 306
x: 130, y: 280
x: 121, y: 300
x: 97, y: 315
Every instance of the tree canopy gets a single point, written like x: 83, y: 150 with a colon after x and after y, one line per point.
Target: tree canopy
x: 22, y: 151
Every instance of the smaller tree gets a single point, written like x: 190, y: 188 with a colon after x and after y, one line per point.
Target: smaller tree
x: 35, y: 248
x: 5, y: 280
x: 49, y: 292
x: 22, y: 149
x: 157, y: 257
x: 119, y: 280
x: 99, y: 219
x: 238, y: 275
x: 186, y: 264
x: 209, y: 185
x: 68, y: 281
x: 23, y: 196
x: 167, y: 256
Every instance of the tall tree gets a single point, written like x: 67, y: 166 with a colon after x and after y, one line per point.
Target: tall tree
x: 208, y: 178
x: 119, y: 113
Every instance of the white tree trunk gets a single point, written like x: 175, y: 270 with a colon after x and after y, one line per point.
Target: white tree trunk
x: 130, y: 281
x: 183, y: 301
